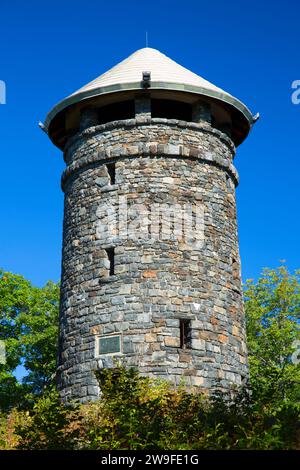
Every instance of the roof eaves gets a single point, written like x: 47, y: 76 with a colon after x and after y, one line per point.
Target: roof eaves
x: 84, y: 95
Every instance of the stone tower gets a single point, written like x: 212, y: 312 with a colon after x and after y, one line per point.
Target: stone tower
x: 150, y: 266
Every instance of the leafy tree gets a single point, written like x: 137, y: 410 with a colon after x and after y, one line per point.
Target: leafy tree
x: 273, y: 333
x: 29, y: 328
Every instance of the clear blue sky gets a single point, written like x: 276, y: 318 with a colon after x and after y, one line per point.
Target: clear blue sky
x: 51, y: 48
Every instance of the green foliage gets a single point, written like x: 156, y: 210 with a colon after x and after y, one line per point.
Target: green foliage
x: 29, y: 327
x: 136, y: 412
x: 273, y: 327
x: 137, y: 408
x: 8, y: 425
x: 49, y: 425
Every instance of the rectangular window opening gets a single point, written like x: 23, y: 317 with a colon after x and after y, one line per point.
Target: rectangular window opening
x: 111, y: 170
x: 110, y: 252
x: 185, y: 334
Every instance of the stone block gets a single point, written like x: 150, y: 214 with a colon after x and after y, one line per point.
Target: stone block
x: 172, y: 342
x: 198, y: 344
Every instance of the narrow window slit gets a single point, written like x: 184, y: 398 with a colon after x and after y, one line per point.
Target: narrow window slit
x: 111, y: 170
x: 185, y: 333
x: 110, y: 252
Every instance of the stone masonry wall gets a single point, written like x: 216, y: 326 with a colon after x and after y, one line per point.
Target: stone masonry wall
x: 158, y: 280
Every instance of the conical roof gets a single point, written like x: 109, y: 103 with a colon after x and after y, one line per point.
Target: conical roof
x: 163, y: 69
x: 166, y: 75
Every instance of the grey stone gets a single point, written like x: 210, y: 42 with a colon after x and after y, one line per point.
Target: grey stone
x: 157, y: 281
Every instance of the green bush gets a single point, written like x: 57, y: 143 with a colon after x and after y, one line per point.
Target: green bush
x: 136, y: 413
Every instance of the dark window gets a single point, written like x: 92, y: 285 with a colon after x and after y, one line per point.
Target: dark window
x: 171, y: 110
x: 226, y: 128
x: 185, y: 334
x: 213, y: 121
x: 236, y: 276
x: 116, y: 111
x: 111, y: 170
x: 111, y: 258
